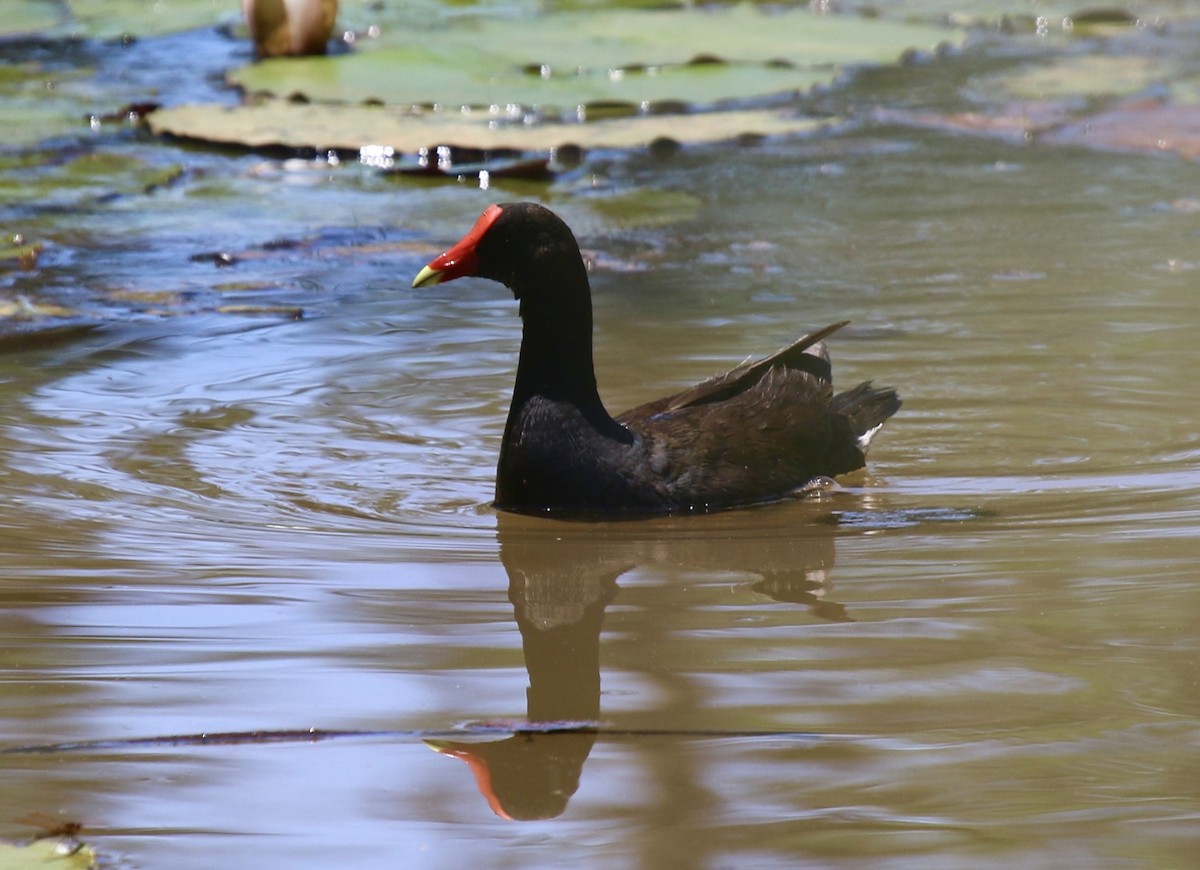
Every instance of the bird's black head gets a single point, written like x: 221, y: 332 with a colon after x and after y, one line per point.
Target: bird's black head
x: 523, y: 245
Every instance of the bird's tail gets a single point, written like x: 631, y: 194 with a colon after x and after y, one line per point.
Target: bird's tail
x: 861, y: 411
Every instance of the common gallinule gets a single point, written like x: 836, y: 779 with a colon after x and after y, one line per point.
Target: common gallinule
x: 759, y: 433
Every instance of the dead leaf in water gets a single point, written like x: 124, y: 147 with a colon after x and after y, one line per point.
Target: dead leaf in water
x: 1016, y: 122
x: 1146, y: 125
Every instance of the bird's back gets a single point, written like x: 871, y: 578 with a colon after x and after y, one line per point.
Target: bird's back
x: 755, y: 434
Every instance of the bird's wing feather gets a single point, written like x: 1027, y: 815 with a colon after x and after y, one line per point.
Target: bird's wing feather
x: 763, y: 427
x: 725, y: 386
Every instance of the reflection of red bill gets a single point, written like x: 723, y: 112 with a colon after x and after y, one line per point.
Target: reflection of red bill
x: 471, y: 753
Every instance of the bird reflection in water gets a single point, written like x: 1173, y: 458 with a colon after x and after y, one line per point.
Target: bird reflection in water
x: 562, y: 576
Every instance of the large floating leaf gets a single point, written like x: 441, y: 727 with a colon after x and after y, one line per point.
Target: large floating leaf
x: 112, y: 18
x: 519, y: 79
x: 30, y: 16
x: 568, y: 59
x: 1139, y: 94
x: 1083, y: 76
x: 448, y: 77
x: 350, y: 128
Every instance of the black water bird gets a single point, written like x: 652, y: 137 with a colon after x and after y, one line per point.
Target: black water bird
x: 764, y: 431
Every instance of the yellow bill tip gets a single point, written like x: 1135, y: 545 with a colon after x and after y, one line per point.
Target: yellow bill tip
x: 427, y: 277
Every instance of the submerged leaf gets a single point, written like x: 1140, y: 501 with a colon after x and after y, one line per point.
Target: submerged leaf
x: 634, y: 208
x: 24, y: 254
x: 79, y: 175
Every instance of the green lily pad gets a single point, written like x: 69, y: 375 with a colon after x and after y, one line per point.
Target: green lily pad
x: 36, y: 104
x: 29, y: 17
x: 1044, y: 18
x: 523, y: 82
x: 1100, y: 21
x: 425, y: 77
x: 1084, y: 76
x: 106, y: 19
x: 569, y: 59
x: 350, y: 128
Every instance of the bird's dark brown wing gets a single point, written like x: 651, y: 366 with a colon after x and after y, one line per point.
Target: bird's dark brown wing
x: 722, y: 387
x: 763, y: 427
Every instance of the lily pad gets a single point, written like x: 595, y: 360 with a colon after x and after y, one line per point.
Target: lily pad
x: 30, y: 17
x: 1043, y: 18
x: 419, y: 76
x: 523, y: 82
x: 1084, y: 76
x: 350, y: 128
x: 106, y: 19
x: 569, y: 59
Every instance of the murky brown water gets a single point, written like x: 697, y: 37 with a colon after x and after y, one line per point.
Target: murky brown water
x: 982, y: 652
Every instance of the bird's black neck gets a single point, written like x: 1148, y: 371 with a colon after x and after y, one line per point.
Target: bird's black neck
x: 556, y: 352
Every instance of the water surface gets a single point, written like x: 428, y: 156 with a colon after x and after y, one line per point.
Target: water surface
x: 980, y: 652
